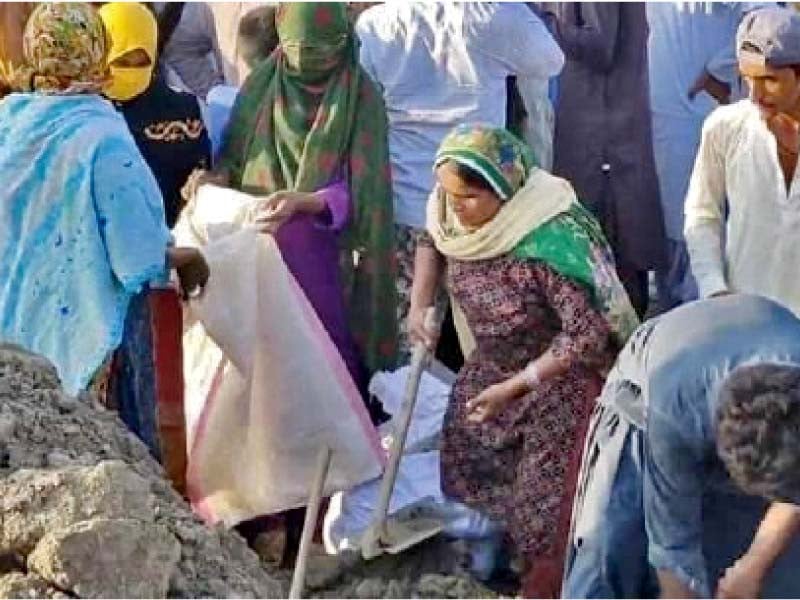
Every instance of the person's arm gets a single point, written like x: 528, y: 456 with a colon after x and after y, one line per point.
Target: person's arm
x: 777, y: 530
x: 673, y: 492
x: 330, y: 205
x: 130, y: 217
x: 130, y: 214
x: 590, y: 38
x: 705, y: 213
x: 584, y: 338
x: 428, y: 269
x: 719, y: 76
x: 335, y: 210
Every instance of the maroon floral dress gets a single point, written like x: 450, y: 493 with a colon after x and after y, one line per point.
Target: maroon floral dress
x: 517, y: 467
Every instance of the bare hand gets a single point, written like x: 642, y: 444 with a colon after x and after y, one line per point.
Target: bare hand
x: 417, y: 331
x: 274, y: 210
x: 192, y: 268
x: 493, y: 400
x: 201, y: 177
x: 742, y: 580
x: 719, y: 90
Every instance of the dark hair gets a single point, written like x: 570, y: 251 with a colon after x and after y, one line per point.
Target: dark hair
x: 471, y: 177
x: 257, y: 28
x: 758, y: 430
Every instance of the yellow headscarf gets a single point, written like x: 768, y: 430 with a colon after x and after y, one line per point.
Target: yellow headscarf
x: 130, y: 26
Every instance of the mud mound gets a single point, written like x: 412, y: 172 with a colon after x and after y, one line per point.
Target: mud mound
x: 86, y: 512
x: 430, y: 570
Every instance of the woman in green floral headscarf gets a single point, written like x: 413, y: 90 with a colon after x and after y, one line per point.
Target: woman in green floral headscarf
x: 542, y: 314
x: 309, y: 135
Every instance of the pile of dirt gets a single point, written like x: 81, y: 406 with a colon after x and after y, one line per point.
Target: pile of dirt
x: 434, y: 569
x: 86, y: 512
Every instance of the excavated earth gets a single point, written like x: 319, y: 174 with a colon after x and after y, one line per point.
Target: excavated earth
x: 85, y: 512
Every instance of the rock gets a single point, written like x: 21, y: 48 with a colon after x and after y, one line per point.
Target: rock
x: 104, y: 558
x: 269, y: 546
x: 34, y: 502
x: 323, y: 570
x: 8, y: 424
x: 435, y: 586
x: 73, y: 524
x: 219, y: 589
x: 463, y: 588
x: 370, y: 588
x: 21, y: 458
x: 20, y: 585
x: 65, y: 404
x: 395, y: 589
x: 58, y: 459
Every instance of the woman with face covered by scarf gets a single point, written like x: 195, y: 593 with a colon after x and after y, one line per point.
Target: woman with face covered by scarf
x: 541, y: 314
x: 308, y: 139
x: 83, y: 234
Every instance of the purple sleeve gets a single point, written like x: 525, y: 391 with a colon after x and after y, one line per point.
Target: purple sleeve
x: 336, y: 197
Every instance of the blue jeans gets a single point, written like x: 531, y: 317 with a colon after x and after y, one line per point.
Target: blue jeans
x: 607, y: 552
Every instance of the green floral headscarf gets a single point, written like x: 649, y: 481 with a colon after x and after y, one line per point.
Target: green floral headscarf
x: 564, y: 235
x: 500, y: 157
x: 307, y: 116
x: 65, y: 47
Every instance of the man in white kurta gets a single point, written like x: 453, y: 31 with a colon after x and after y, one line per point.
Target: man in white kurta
x: 692, y: 59
x: 743, y: 204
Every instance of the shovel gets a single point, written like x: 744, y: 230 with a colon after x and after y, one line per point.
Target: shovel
x: 393, y: 536
x: 312, y: 513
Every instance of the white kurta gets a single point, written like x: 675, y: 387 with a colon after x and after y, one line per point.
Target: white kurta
x: 442, y: 64
x: 751, y: 243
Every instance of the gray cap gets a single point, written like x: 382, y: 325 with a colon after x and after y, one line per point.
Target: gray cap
x: 770, y: 36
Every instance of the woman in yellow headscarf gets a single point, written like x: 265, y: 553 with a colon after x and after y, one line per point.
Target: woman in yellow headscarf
x: 166, y: 124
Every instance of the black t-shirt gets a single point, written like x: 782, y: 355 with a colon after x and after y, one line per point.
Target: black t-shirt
x: 169, y: 131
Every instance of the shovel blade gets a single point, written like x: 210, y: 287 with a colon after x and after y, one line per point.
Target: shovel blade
x: 401, y: 535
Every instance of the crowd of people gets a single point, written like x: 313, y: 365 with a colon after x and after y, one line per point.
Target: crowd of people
x: 602, y: 195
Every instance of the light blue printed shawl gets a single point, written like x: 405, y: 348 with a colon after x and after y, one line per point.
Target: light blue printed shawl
x: 81, y: 229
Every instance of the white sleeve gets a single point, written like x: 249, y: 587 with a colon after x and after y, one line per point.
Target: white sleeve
x: 365, y: 37
x: 705, y: 212
x: 520, y: 40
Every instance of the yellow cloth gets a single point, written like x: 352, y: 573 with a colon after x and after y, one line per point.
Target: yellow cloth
x: 543, y: 197
x: 130, y: 26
